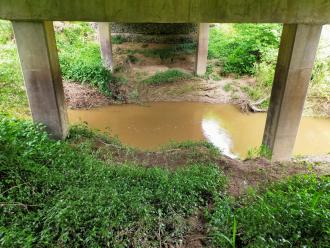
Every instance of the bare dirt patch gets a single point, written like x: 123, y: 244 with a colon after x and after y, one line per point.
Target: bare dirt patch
x: 84, y: 96
x: 196, y: 90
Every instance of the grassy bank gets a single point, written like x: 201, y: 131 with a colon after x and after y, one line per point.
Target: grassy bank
x: 78, y: 193
x: 53, y: 194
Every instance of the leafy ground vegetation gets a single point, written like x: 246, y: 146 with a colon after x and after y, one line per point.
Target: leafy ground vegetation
x: 89, y: 191
x: 251, y: 50
x: 51, y: 194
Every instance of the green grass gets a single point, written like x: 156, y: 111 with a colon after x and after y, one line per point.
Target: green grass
x: 12, y: 93
x: 293, y: 213
x: 118, y: 39
x: 168, y: 76
x: 6, y: 32
x: 228, y: 87
x: 54, y: 195
x: 80, y: 58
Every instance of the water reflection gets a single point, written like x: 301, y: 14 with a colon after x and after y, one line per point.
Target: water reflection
x: 218, y: 136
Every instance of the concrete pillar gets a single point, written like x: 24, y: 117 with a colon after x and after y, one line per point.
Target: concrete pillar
x: 297, y: 53
x: 41, y: 70
x: 202, y: 49
x: 106, y: 44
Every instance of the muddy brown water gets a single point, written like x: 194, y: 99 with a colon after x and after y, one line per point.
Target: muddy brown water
x: 235, y: 133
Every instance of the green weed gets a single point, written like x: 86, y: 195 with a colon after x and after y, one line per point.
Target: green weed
x: 55, y: 195
x: 293, y: 213
x: 243, y: 46
x: 80, y: 57
x: 262, y: 151
x: 118, y: 39
x: 168, y: 76
x: 6, y: 32
x: 12, y: 93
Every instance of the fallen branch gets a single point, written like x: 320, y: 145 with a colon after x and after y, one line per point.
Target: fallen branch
x: 255, y: 109
x: 260, y: 101
x: 253, y: 106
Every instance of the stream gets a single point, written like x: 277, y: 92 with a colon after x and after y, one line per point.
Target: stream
x: 155, y: 124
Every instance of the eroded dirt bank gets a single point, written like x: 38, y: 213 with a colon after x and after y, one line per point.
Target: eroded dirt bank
x: 136, y: 62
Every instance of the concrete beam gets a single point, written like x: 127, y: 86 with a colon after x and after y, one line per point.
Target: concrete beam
x: 202, y: 49
x: 169, y: 11
x: 39, y: 61
x: 104, y: 29
x: 293, y: 72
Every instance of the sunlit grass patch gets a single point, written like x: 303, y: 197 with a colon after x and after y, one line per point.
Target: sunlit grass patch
x: 168, y: 76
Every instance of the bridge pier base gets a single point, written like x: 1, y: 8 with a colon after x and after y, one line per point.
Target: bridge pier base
x: 41, y: 70
x: 104, y: 29
x: 202, y: 49
x: 297, y: 53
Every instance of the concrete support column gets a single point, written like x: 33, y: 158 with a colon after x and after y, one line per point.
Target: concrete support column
x: 202, y: 49
x: 297, y: 53
x: 106, y: 44
x: 41, y: 70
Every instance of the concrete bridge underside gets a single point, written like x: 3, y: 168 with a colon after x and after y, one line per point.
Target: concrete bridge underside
x: 302, y: 19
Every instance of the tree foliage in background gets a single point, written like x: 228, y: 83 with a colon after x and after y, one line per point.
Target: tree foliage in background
x: 241, y: 46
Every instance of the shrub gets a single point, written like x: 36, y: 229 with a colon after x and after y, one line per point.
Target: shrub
x: 168, y: 76
x: 80, y: 57
x: 264, y: 75
x: 243, y: 46
x: 54, y: 195
x: 320, y: 84
x: 293, y: 213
